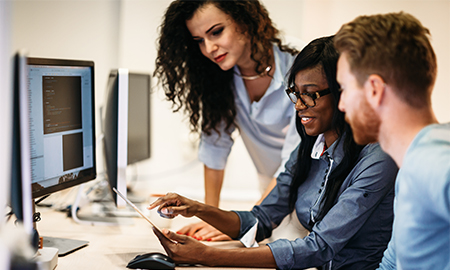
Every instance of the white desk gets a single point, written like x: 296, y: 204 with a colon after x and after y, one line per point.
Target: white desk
x: 110, y: 247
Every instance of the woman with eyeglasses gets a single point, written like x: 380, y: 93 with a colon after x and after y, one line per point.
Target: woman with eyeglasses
x: 224, y: 64
x: 342, y: 192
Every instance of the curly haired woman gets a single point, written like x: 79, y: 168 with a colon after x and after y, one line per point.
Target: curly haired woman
x: 223, y: 63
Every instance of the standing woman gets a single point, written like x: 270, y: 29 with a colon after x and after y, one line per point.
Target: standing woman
x: 223, y: 63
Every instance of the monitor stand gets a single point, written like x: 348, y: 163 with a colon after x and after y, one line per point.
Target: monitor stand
x: 93, y: 218
x: 66, y: 246
x: 52, y: 247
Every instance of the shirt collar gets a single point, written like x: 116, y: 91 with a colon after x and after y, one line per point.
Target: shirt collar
x: 335, y: 151
x: 318, y: 147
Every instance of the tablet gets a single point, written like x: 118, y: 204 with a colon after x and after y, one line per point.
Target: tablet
x: 140, y: 212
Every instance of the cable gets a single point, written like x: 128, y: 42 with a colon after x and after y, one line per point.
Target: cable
x: 42, y: 198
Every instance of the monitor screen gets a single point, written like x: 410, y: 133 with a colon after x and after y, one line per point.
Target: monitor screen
x: 126, y: 126
x: 61, y: 123
x: 138, y: 117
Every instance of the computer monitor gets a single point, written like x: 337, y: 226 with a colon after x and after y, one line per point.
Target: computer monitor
x: 126, y: 126
x: 54, y: 132
x: 62, y: 123
x: 20, y: 186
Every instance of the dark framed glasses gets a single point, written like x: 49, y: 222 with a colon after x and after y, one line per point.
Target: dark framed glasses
x: 307, y: 99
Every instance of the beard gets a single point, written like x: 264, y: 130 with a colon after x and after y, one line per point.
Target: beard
x: 365, y: 124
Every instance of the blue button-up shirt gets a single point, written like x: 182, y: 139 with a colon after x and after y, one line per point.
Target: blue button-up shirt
x: 355, y: 231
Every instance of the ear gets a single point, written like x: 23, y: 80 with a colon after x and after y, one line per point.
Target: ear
x: 374, y: 88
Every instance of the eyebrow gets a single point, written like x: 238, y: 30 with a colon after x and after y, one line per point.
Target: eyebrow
x: 209, y: 30
x: 307, y: 85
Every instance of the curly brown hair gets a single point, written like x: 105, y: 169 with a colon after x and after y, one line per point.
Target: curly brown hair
x: 192, y: 81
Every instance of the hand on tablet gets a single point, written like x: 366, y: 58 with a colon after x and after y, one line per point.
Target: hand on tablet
x: 172, y: 205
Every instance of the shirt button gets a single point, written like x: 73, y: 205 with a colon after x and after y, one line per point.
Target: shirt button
x: 323, y: 183
x: 320, y: 190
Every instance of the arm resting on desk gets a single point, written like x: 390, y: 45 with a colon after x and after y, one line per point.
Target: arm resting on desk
x: 189, y: 250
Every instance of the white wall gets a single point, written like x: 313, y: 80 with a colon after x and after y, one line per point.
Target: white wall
x: 5, y: 105
x: 85, y: 30
x: 122, y: 33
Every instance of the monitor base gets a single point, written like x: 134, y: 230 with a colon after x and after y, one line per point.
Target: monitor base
x: 63, y: 245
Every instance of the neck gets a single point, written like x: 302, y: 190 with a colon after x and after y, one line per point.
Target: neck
x: 247, y: 67
x: 400, y: 126
x: 330, y: 137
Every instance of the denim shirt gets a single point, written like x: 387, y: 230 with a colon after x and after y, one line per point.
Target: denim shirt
x: 355, y: 231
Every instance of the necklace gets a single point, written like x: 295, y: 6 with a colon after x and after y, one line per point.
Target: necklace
x: 254, y: 77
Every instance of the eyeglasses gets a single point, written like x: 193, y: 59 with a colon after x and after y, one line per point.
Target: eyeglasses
x: 307, y: 99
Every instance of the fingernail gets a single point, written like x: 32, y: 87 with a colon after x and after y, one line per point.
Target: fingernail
x: 199, y: 238
x: 179, y: 233
x: 209, y: 239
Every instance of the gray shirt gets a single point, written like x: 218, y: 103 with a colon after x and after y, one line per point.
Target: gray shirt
x: 356, y: 230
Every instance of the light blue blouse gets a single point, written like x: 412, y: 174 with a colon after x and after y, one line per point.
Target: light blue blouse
x: 356, y: 230
x: 267, y: 126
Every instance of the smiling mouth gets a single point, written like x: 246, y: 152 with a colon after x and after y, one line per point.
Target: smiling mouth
x: 220, y: 57
x: 306, y: 120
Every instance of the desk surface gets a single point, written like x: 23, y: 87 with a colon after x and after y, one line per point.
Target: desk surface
x: 110, y: 247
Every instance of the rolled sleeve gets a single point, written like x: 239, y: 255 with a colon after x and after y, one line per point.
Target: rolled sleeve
x: 214, y: 149
x: 283, y: 252
x: 247, y: 219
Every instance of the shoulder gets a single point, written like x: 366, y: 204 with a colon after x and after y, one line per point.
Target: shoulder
x: 374, y: 163
x: 373, y: 153
x: 429, y: 153
x: 293, y: 43
x: 284, y: 60
x: 432, y: 142
x: 432, y: 138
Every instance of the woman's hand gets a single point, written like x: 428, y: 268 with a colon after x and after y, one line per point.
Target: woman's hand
x: 172, y: 205
x: 203, y: 231
x: 184, y: 250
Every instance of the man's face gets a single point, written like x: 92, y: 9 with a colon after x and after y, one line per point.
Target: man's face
x: 359, y: 114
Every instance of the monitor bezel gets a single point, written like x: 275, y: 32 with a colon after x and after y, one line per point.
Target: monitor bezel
x: 91, y: 173
x: 116, y: 106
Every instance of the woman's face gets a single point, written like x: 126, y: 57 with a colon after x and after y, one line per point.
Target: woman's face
x: 219, y: 37
x: 317, y: 119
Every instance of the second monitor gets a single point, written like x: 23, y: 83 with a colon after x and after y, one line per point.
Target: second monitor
x: 126, y: 126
